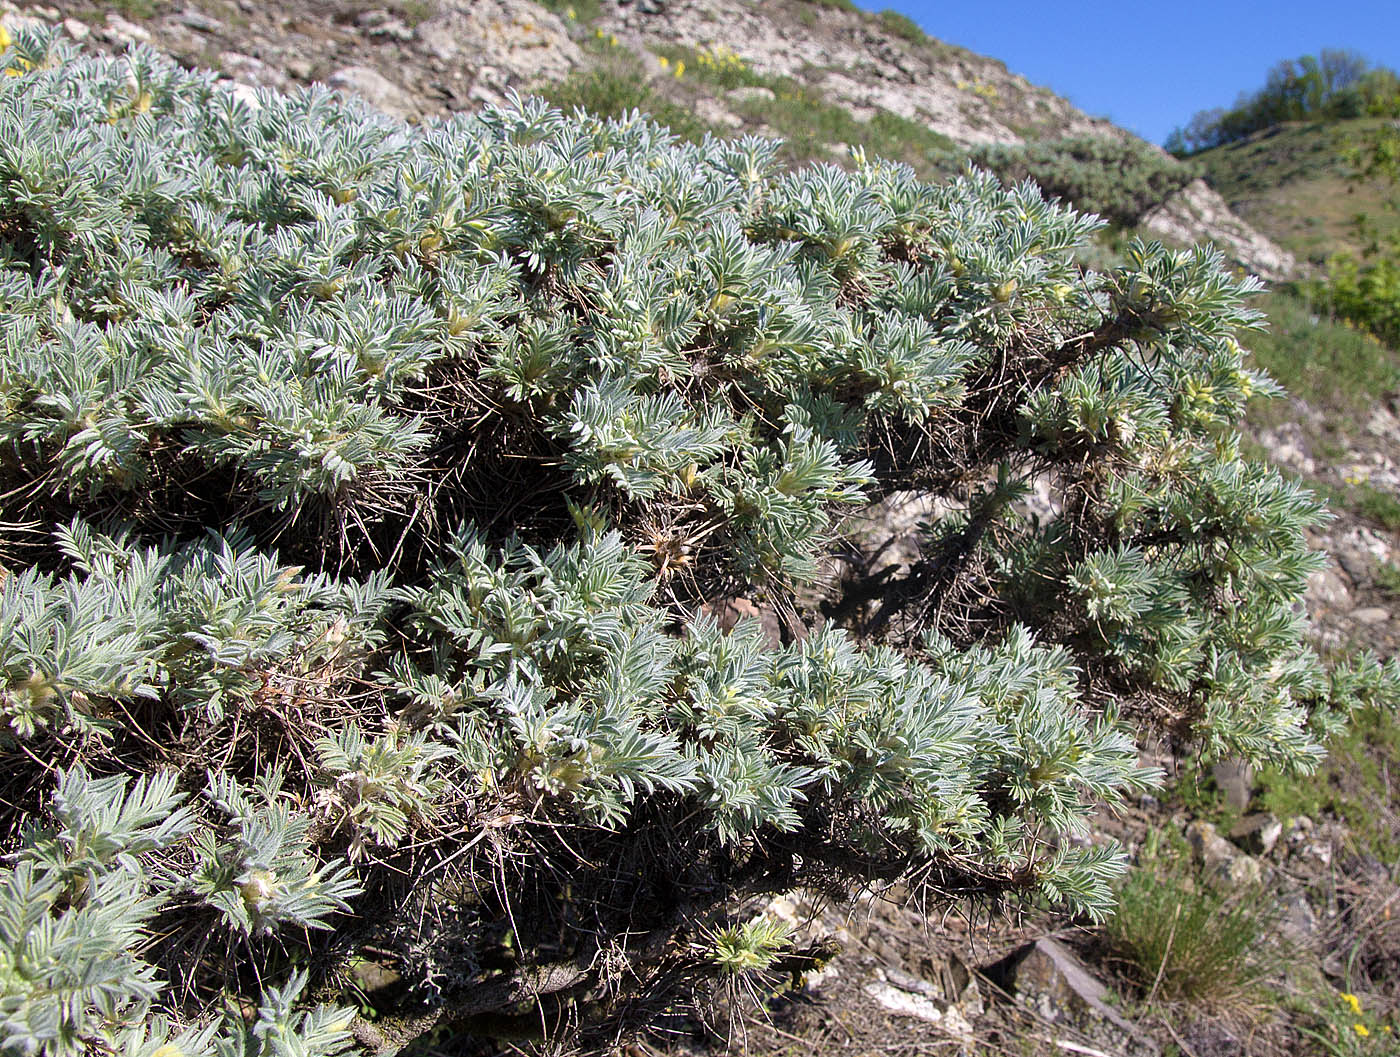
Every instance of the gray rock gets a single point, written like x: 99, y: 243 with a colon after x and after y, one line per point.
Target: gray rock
x: 713, y: 113
x: 1327, y: 588
x: 251, y: 71
x: 374, y: 88
x: 1370, y: 615
x: 1257, y: 834
x: 1287, y: 446
x: 1299, y: 826
x: 1197, y: 213
x: 1242, y: 872
x: 1221, y: 860
x: 379, y: 23
x: 1053, y: 981
x: 749, y: 93
x: 1359, y: 549
x: 198, y: 21
x: 1235, y: 779
x: 246, y: 94
x: 911, y: 996
x: 1209, y: 847
x: 1297, y: 920
x: 76, y: 28
x: 119, y: 31
x: 393, y: 30
x: 525, y: 44
x: 1317, y: 852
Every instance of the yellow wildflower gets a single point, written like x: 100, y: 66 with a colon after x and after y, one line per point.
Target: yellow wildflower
x: 664, y: 62
x: 612, y: 40
x: 1361, y: 1030
x: 1353, y: 1003
x: 5, y: 39
x: 570, y: 12
x: 680, y: 67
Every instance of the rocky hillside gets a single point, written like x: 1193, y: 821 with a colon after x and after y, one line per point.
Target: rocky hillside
x: 819, y: 74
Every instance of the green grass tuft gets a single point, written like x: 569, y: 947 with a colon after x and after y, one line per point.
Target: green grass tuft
x: 902, y: 26
x: 607, y: 93
x: 1337, y: 368
x: 1181, y: 939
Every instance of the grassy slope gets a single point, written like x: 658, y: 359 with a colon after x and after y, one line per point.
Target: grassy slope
x: 1291, y: 183
x: 1334, y: 367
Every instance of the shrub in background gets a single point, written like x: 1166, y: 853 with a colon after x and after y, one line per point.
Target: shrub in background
x: 363, y: 486
x: 1119, y: 179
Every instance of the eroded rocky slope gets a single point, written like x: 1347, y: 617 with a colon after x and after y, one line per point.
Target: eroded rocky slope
x: 417, y: 58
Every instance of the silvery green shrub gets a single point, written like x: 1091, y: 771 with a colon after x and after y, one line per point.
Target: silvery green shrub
x: 369, y: 492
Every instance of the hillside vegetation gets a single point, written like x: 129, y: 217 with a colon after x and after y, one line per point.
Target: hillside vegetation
x: 1334, y: 85
x: 1295, y: 183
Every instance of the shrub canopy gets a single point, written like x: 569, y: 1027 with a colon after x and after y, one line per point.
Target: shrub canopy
x: 365, y: 486
x: 1119, y: 179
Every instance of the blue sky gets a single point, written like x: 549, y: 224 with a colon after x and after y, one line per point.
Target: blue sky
x: 1150, y: 64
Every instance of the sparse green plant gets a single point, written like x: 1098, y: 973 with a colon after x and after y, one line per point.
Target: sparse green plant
x: 416, y: 12
x: 609, y: 93
x: 901, y: 25
x: 1387, y: 576
x: 750, y: 947
x: 1365, y: 288
x: 1377, y: 504
x: 1341, y: 1025
x: 1335, y: 367
x: 1352, y: 785
x: 1182, y: 939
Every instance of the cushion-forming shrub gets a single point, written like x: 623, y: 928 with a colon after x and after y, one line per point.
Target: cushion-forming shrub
x: 365, y: 488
